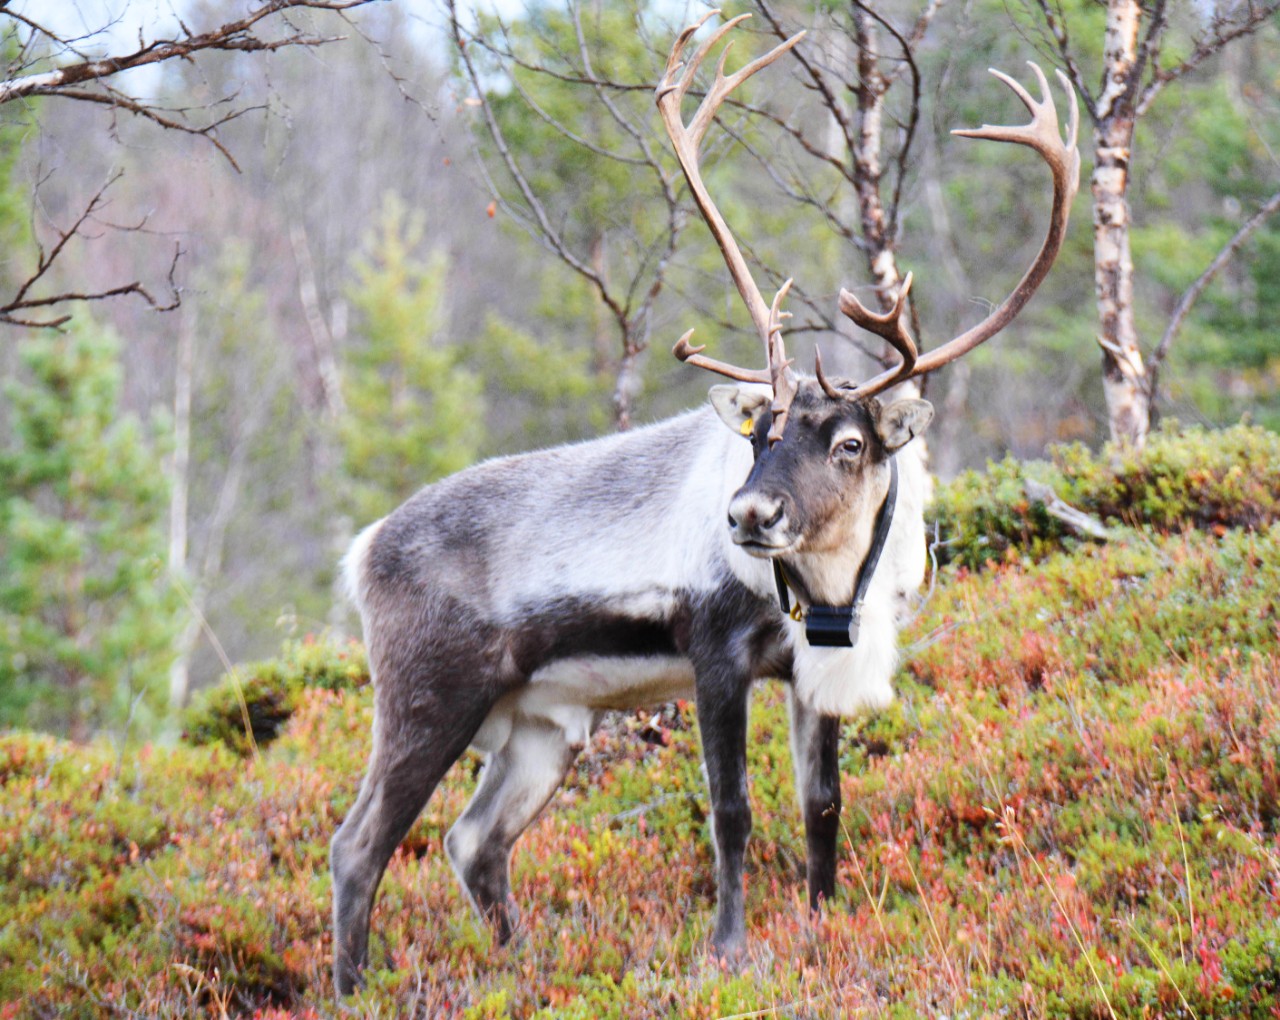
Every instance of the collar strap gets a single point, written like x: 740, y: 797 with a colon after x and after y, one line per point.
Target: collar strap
x: 837, y: 626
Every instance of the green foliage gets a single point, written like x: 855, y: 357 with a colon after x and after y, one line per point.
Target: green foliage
x: 13, y: 225
x: 269, y: 692
x: 413, y: 413
x: 86, y: 619
x: 1215, y: 156
x: 1185, y: 478
x: 602, y: 173
x: 547, y: 390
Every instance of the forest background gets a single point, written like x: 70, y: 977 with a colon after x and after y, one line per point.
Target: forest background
x: 366, y: 298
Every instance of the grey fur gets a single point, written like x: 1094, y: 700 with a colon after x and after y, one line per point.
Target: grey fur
x: 508, y: 605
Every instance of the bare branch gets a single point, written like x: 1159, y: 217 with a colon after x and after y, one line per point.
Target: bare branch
x: 1057, y: 26
x: 234, y: 35
x: 11, y: 311
x: 551, y: 236
x: 792, y: 127
x: 80, y: 76
x: 1192, y: 294
x: 567, y: 77
x: 796, y: 190
x: 819, y: 82
x: 1149, y: 50
x: 536, y: 108
x: 623, y: 122
x: 112, y: 97
x: 1220, y: 32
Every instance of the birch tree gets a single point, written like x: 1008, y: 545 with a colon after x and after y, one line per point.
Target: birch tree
x: 1135, y: 71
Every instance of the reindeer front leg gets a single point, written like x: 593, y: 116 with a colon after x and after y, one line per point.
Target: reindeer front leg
x: 815, y: 754
x: 722, y: 716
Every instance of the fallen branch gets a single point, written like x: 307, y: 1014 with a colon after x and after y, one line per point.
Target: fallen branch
x: 1077, y: 520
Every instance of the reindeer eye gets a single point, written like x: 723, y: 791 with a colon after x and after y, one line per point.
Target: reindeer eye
x: 852, y: 447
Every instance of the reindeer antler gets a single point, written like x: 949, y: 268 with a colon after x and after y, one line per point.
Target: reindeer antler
x: 686, y: 139
x: 1044, y: 136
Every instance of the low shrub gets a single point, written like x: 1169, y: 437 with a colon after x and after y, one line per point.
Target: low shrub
x: 1186, y: 478
x: 265, y: 694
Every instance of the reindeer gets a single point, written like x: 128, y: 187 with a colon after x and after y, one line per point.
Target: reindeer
x: 507, y: 607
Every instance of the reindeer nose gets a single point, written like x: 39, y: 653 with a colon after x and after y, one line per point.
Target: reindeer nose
x: 756, y: 518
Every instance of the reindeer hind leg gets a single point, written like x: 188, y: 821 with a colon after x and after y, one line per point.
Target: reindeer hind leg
x: 517, y: 782
x: 417, y: 736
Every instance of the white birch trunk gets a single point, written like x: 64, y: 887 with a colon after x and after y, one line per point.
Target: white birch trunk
x: 882, y: 261
x: 179, y: 490
x: 1124, y: 375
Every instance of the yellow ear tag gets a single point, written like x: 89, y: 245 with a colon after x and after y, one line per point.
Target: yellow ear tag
x: 747, y: 426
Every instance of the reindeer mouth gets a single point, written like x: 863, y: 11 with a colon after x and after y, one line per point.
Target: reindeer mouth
x: 764, y: 550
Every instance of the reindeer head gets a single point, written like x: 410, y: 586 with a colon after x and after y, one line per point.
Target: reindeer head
x: 830, y: 470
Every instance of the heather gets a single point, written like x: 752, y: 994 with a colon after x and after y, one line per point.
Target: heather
x: 1071, y: 811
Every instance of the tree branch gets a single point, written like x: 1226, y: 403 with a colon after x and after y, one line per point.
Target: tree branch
x: 22, y: 301
x: 551, y: 236
x: 820, y: 83
x: 81, y: 77
x: 1057, y: 26
x: 1192, y: 294
x: 112, y: 97
x: 1220, y: 32
x: 234, y: 35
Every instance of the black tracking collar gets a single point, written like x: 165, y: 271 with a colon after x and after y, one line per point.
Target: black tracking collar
x: 837, y: 626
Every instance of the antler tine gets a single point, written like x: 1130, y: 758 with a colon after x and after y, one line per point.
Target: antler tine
x: 722, y: 85
x: 674, y: 63
x: 783, y: 379
x: 833, y: 392
x: 776, y: 315
x: 691, y: 355
x: 1044, y: 135
x: 686, y: 140
x: 889, y: 325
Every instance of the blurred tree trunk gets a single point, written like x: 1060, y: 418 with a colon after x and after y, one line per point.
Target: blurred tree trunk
x: 880, y: 247
x: 1124, y: 375
x: 179, y: 491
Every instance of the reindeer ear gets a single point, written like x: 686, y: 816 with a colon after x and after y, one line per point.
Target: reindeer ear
x: 740, y: 407
x: 902, y: 421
